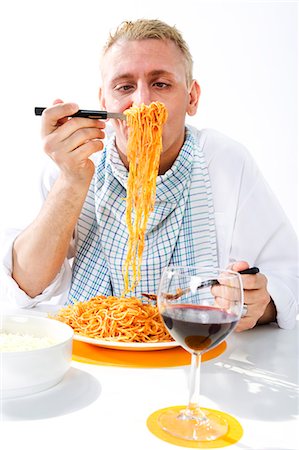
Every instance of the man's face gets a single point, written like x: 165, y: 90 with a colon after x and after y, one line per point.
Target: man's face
x: 136, y: 72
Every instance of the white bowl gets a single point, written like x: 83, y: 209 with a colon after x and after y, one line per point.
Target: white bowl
x: 30, y: 371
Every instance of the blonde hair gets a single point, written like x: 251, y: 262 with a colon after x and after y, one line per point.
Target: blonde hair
x: 152, y: 29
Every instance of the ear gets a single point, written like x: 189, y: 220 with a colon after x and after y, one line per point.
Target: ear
x: 102, y: 100
x: 194, y: 94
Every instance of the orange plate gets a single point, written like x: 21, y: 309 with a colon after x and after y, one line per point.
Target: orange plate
x: 177, y: 356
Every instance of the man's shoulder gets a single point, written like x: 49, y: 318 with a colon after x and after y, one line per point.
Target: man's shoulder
x: 225, y: 156
x: 218, y: 145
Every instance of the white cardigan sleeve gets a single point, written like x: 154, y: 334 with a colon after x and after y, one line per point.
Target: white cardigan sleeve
x: 10, y: 292
x: 264, y: 236
x: 57, y: 291
x: 251, y: 224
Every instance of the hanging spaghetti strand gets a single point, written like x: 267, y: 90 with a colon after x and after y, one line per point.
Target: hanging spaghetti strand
x: 143, y: 152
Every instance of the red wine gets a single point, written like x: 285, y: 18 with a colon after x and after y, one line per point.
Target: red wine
x: 197, y: 327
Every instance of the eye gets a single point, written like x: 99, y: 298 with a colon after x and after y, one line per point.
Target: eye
x: 124, y: 87
x: 161, y: 85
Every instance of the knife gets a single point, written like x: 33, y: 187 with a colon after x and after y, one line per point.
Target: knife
x: 88, y: 113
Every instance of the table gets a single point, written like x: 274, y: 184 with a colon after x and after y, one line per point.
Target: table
x: 106, y: 407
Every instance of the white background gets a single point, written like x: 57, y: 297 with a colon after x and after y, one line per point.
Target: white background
x: 245, y: 55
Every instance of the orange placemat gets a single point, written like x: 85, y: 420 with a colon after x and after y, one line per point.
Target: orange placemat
x: 93, y: 354
x: 233, y: 435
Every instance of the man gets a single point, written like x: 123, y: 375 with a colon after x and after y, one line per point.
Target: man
x: 212, y: 206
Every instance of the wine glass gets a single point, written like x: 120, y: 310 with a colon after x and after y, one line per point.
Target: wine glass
x: 200, y: 307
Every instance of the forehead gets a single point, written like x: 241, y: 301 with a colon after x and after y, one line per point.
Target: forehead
x: 143, y: 56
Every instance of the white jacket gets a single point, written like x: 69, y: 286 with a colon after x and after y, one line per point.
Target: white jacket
x: 250, y: 226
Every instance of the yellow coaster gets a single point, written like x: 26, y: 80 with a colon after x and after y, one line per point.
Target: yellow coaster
x: 234, y: 434
x: 92, y: 354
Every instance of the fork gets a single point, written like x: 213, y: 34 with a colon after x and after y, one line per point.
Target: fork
x: 180, y: 292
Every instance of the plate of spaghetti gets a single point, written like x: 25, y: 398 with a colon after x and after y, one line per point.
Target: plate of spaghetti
x: 118, y: 323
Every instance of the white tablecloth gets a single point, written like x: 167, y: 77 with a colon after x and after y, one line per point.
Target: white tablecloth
x: 106, y: 407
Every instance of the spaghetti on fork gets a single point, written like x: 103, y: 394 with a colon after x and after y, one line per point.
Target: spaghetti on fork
x: 143, y: 152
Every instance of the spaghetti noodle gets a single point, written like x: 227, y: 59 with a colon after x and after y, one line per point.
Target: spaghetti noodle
x: 115, y: 319
x: 143, y: 152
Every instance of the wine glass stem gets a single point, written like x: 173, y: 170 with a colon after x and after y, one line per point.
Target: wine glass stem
x: 194, y: 388
x: 194, y: 380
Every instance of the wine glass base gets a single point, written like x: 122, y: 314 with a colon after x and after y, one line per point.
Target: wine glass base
x: 193, y: 427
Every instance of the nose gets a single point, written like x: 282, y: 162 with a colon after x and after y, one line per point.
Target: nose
x: 141, y: 95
